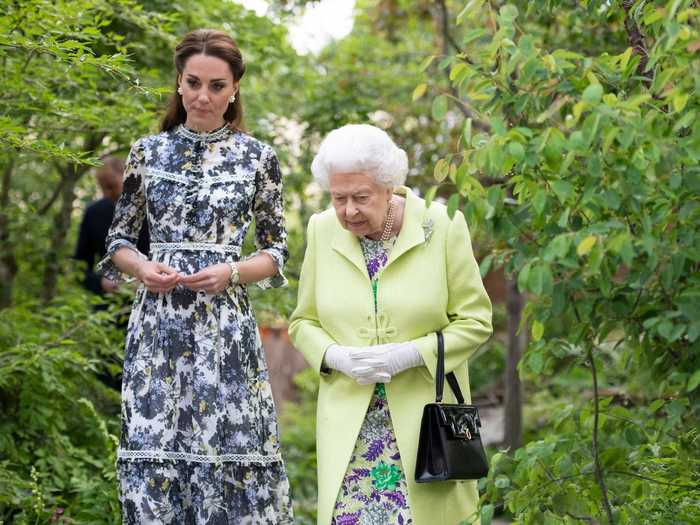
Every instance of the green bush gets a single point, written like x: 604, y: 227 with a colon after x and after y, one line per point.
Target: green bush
x: 59, y: 422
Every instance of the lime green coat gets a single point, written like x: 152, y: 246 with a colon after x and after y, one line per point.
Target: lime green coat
x: 431, y: 282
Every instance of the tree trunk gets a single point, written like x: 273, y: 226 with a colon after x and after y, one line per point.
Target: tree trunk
x: 513, y: 391
x: 61, y: 223
x: 62, y: 220
x: 8, y: 262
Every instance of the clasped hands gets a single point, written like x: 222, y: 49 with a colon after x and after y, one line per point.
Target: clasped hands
x: 373, y: 364
x: 161, y: 278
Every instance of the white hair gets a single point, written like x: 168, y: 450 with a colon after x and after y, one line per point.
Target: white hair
x: 360, y: 148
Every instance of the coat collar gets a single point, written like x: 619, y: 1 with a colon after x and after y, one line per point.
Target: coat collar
x: 411, y: 234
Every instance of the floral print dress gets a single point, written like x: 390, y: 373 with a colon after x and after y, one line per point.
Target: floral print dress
x: 373, y: 491
x: 199, y: 441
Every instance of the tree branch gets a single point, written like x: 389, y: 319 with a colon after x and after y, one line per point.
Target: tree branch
x: 594, y: 444
x: 445, y: 16
x: 56, y: 192
x: 8, y: 262
x: 635, y: 37
x: 695, y: 488
x: 442, y: 20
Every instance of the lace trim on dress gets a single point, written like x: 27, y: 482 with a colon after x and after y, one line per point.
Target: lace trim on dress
x: 192, y: 246
x: 183, y: 179
x: 165, y: 455
x: 160, y: 174
x: 204, y: 136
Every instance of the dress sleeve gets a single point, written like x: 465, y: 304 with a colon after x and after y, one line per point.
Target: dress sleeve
x: 128, y: 216
x: 305, y: 329
x: 468, y: 305
x: 268, y: 209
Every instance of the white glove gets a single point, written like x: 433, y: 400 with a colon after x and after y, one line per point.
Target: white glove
x: 389, y: 359
x: 341, y: 358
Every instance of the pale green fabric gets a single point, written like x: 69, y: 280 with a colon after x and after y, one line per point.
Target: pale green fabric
x: 431, y: 282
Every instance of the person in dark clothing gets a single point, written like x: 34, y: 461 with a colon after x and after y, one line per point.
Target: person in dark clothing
x: 91, y: 242
x: 96, y: 222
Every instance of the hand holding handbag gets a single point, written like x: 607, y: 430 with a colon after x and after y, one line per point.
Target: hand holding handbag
x: 449, y: 445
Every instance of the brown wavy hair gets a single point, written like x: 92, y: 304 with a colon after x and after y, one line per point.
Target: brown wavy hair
x: 211, y: 43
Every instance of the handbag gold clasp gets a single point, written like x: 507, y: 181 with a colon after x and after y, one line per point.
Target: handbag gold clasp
x: 461, y: 432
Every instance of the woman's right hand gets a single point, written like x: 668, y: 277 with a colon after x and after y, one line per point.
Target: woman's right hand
x: 341, y: 358
x: 157, y: 277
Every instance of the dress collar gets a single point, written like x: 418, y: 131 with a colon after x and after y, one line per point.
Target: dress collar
x: 204, y: 136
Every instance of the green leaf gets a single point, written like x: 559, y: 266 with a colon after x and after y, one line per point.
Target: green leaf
x: 523, y: 276
x: 457, y: 70
x: 509, y: 12
x: 540, y: 280
x: 467, y: 133
x: 679, y: 101
x: 426, y: 63
x: 439, y: 107
x: 558, y: 247
x: 563, y: 190
x: 516, y: 150
x: 539, y: 201
x: 442, y: 168
x: 472, y: 8
x: 487, y: 514
x: 430, y: 196
x: 536, y: 362
x: 592, y: 94
x: 694, y: 381
x: 586, y: 245
x: 502, y: 481
x: 537, y: 330
x: 452, y: 204
x: 625, y: 58
x: 563, y: 221
x: 419, y: 91
x: 485, y: 265
x: 665, y: 329
x: 657, y: 404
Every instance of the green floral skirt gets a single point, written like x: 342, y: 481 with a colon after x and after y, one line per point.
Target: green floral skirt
x: 374, y: 487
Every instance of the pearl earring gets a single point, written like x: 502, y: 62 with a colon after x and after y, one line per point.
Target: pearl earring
x: 179, y: 90
x: 232, y: 99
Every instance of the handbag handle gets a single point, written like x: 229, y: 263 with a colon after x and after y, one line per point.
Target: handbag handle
x: 440, y: 374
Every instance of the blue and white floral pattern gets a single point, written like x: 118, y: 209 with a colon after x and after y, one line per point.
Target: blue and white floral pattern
x: 199, y: 440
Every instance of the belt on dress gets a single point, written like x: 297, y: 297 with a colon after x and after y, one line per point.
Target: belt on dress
x: 192, y: 246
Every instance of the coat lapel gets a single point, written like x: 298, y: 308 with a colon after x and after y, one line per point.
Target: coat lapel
x: 411, y: 233
x: 347, y: 245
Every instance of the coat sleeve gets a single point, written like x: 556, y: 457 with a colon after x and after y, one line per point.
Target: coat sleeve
x: 305, y: 329
x: 468, y: 305
x: 268, y: 208
x: 128, y: 218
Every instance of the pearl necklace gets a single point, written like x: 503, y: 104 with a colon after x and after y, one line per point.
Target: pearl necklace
x: 388, y: 224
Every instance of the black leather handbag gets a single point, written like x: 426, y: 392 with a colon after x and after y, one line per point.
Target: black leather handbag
x: 449, y: 446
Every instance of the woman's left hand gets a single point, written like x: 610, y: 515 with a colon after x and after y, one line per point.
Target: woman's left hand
x: 212, y: 279
x: 388, y: 359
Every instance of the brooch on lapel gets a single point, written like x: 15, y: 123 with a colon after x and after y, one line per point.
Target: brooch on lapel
x: 427, y: 229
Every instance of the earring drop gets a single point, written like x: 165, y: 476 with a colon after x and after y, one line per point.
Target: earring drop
x: 179, y: 90
x: 232, y: 99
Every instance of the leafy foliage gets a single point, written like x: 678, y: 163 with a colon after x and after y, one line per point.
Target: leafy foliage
x: 58, y: 420
x: 584, y: 175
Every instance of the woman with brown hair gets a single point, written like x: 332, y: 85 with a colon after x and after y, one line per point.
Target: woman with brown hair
x: 199, y: 441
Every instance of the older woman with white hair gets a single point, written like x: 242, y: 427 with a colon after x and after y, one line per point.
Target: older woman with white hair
x: 381, y: 275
